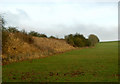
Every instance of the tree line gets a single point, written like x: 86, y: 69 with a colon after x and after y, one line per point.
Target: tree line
x: 76, y: 40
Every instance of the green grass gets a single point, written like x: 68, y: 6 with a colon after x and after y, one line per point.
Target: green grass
x: 99, y: 64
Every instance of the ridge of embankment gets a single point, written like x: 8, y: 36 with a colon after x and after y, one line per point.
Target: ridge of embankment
x: 18, y: 50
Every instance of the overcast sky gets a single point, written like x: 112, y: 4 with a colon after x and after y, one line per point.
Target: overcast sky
x: 62, y: 17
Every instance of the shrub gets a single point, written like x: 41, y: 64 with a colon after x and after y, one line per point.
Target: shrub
x: 12, y: 29
x: 52, y: 37
x: 33, y: 33
x: 93, y: 39
x: 43, y: 35
x: 87, y: 42
x: 77, y: 40
x: 70, y: 39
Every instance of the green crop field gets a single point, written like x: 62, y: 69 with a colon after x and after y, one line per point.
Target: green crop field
x: 98, y: 64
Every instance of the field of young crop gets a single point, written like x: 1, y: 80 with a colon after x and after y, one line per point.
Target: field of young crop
x: 98, y: 64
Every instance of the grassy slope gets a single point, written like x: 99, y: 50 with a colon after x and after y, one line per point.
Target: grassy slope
x: 17, y: 49
x: 84, y: 65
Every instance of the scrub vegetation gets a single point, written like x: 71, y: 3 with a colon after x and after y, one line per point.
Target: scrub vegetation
x: 34, y: 57
x: 98, y: 64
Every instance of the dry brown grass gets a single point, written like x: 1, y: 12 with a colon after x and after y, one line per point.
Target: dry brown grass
x: 52, y: 44
x: 17, y: 49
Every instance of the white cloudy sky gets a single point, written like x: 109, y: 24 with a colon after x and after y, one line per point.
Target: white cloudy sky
x: 62, y: 17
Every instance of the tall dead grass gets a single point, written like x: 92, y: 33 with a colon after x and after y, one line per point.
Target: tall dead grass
x: 22, y: 47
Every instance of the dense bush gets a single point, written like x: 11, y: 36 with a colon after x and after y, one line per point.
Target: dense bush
x: 12, y: 29
x: 52, y: 37
x: 78, y: 40
x: 33, y: 33
x: 70, y: 39
x: 43, y: 35
x: 93, y: 39
x: 87, y: 42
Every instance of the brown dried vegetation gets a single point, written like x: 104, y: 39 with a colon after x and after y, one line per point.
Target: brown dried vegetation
x: 20, y: 47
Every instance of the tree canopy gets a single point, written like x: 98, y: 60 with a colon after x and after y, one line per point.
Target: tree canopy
x: 93, y: 39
